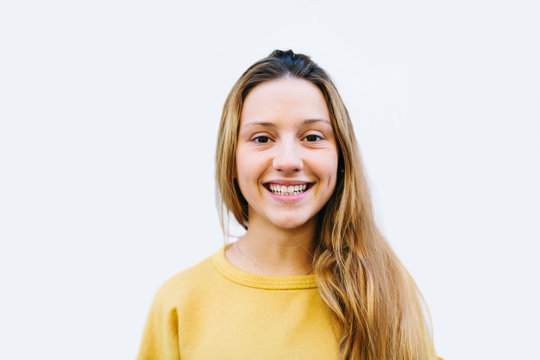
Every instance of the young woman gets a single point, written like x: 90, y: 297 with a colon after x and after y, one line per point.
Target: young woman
x: 312, y: 278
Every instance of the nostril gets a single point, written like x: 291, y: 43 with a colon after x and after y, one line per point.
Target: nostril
x: 287, y: 165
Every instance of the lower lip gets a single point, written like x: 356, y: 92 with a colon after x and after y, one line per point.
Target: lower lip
x: 289, y: 199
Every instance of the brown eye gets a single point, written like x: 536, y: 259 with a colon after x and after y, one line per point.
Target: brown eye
x: 313, y: 138
x: 261, y: 139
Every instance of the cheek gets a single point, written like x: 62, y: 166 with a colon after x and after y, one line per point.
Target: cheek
x: 247, y: 170
x: 240, y: 172
x: 325, y: 167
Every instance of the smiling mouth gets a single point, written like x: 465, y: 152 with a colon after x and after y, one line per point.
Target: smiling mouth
x: 287, y: 190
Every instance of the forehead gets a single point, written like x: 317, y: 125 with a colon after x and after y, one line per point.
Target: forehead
x: 284, y: 99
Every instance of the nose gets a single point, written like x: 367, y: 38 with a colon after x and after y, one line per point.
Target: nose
x: 288, y: 158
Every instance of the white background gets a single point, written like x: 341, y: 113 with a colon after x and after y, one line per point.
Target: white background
x: 109, y: 113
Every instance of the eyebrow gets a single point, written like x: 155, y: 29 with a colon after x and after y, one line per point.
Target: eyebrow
x: 271, y: 124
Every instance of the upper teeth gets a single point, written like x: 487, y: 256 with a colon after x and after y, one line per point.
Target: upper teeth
x: 287, y: 190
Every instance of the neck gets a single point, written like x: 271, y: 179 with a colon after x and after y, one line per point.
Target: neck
x: 277, y: 251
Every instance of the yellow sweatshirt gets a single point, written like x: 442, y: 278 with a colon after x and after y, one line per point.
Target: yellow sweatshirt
x: 216, y: 311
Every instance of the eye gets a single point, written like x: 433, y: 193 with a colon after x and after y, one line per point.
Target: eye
x: 261, y: 139
x: 313, y: 138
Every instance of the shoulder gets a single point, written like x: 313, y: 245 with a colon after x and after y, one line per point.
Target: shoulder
x: 178, y: 294
x: 187, y: 284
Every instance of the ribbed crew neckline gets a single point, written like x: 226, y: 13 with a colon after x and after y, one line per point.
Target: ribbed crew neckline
x: 225, y: 268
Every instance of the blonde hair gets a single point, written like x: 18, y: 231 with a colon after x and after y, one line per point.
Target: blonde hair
x: 372, y: 297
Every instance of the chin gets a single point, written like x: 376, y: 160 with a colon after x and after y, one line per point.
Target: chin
x: 290, y: 222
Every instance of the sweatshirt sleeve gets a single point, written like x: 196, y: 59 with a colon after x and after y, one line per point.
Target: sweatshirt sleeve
x: 160, y: 334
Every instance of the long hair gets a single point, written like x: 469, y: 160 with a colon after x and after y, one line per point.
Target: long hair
x: 372, y: 297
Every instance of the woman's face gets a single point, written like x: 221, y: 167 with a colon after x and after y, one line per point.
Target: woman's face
x: 287, y: 156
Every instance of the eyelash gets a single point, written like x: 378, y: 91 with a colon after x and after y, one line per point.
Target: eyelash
x: 255, y: 139
x: 267, y: 139
x: 318, y: 136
